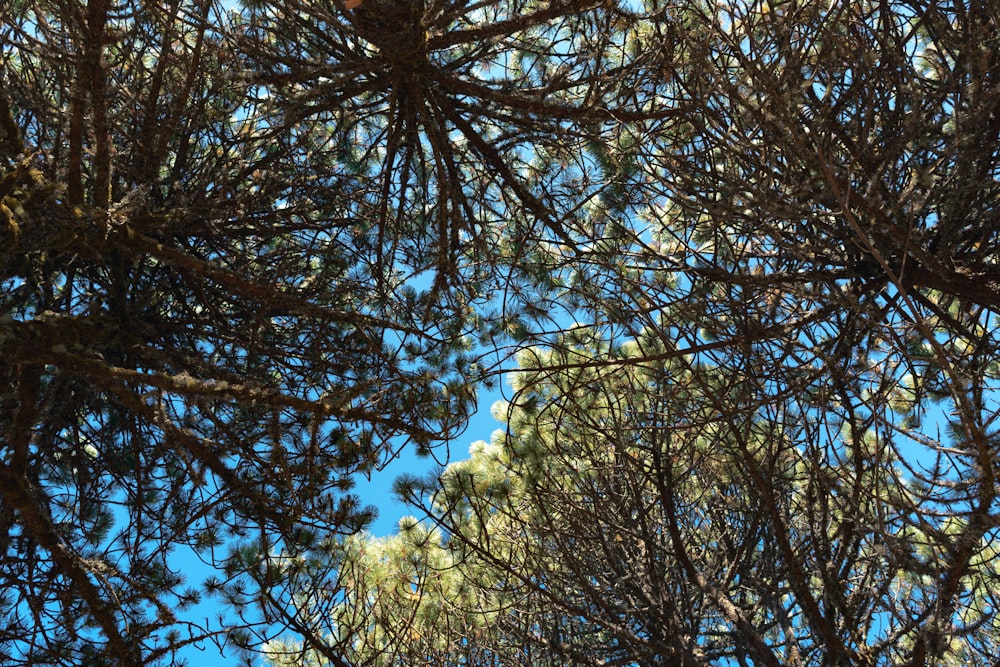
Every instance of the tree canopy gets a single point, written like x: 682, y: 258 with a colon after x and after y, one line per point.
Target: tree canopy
x: 619, y: 520
x: 745, y: 254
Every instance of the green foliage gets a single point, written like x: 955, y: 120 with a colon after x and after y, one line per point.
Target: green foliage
x: 249, y: 252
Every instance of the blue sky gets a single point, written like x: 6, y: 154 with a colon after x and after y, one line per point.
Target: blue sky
x: 378, y: 490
